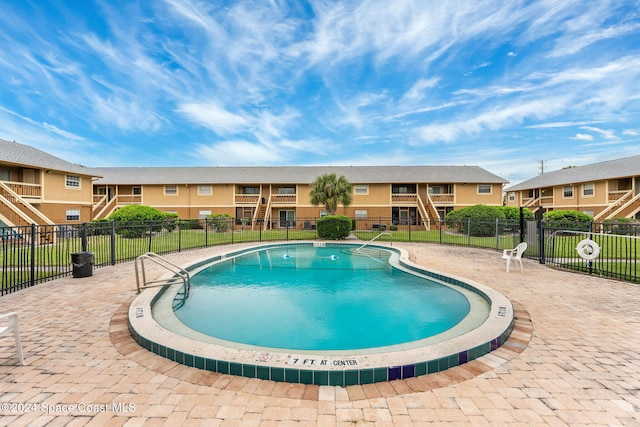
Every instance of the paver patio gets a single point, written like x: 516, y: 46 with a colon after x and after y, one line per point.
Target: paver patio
x: 574, y: 360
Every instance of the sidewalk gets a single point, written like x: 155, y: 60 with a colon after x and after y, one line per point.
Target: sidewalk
x: 580, y: 367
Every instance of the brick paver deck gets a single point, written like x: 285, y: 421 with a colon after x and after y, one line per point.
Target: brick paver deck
x: 574, y: 359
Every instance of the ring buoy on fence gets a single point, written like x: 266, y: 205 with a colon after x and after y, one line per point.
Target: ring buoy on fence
x: 588, y: 249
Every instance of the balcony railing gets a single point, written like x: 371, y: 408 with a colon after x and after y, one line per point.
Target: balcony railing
x: 280, y: 199
x: 404, y: 199
x: 247, y: 199
x: 614, y: 196
x: 29, y: 191
x: 441, y: 198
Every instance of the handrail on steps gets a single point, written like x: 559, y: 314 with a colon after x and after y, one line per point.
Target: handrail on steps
x: 151, y: 256
x: 384, y: 232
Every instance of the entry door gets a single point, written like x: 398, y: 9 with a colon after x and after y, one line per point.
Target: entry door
x: 404, y: 216
x: 287, y: 219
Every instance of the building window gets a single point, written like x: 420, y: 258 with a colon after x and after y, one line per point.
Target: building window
x: 436, y: 190
x: 203, y: 214
x: 484, y: 188
x: 205, y: 190
x: 72, y: 181
x: 512, y: 196
x: 567, y: 192
x: 286, y: 190
x: 73, y: 214
x: 137, y: 191
x: 250, y: 190
x: 323, y: 213
x: 170, y: 190
x: 588, y: 189
x: 171, y: 212
x: 361, y: 189
x: 590, y: 213
x: 361, y: 214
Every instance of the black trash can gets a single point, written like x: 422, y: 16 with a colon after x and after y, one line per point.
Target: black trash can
x: 82, y: 264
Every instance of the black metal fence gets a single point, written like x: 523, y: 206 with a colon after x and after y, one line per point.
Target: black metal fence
x: 37, y: 253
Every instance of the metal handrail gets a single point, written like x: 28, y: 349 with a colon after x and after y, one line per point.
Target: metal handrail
x: 384, y: 232
x: 151, y: 256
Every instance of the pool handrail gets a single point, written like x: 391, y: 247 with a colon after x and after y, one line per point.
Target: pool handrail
x: 380, y: 234
x: 141, y: 272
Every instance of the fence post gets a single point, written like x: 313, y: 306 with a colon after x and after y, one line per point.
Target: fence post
x: 32, y: 267
x: 541, y: 253
x: 179, y: 236
x: 206, y: 232
x: 521, y: 224
x: 497, y: 235
x: 441, y: 229
x: 113, y: 242
x: 469, y: 231
x: 83, y: 234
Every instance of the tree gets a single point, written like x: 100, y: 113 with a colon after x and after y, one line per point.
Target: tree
x: 329, y: 190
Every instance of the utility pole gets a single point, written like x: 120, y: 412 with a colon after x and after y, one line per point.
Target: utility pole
x: 541, y: 167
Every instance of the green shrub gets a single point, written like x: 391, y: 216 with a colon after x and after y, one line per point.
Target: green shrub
x: 171, y: 220
x: 333, y: 227
x: 567, y: 219
x: 190, y: 224
x: 99, y: 227
x: 483, y: 220
x: 624, y: 226
x: 136, y: 220
x: 220, y: 222
x: 513, y: 213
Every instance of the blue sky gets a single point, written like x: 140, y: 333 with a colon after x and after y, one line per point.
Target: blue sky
x: 498, y: 84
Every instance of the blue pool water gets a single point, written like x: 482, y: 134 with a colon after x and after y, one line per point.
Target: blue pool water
x: 325, y: 298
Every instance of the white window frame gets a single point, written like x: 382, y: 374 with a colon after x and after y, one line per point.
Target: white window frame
x: 137, y: 190
x: 361, y: 189
x: 168, y: 192
x: 72, y: 181
x: 567, y: 189
x: 73, y: 214
x: 204, y: 214
x: 171, y: 211
x: 512, y: 196
x: 490, y: 187
x: 361, y: 214
x: 205, y: 190
x: 588, y: 187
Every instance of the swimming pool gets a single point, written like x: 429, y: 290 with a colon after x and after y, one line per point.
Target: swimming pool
x: 156, y: 327
x: 319, y: 298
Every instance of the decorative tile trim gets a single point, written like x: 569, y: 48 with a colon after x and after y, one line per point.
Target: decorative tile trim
x: 329, y: 377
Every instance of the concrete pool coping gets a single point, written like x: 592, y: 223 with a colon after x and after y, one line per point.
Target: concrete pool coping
x: 326, y: 368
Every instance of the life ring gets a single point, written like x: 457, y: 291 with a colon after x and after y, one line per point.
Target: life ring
x: 588, y: 249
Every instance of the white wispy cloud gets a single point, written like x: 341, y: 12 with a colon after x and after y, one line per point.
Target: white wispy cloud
x: 605, y: 133
x: 215, y: 117
x: 583, y: 137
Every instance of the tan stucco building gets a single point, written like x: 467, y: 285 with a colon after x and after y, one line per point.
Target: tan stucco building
x: 603, y: 190
x: 36, y: 187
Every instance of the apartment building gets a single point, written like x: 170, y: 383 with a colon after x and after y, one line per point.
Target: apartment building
x: 39, y: 188
x: 404, y: 194
x: 604, y: 190
x: 36, y: 187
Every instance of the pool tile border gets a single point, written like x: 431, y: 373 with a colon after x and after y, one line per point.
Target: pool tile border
x: 320, y: 377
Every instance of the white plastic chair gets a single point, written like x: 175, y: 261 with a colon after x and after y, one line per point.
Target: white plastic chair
x: 515, y: 254
x: 12, y: 326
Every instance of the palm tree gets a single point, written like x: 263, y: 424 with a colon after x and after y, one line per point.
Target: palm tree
x: 329, y: 190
